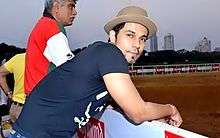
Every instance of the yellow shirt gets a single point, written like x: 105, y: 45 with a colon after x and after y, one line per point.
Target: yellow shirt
x: 16, y: 66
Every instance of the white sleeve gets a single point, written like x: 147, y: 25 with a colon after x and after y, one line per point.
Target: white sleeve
x: 57, y: 50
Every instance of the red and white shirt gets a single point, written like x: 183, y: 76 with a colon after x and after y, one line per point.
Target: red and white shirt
x: 47, y: 48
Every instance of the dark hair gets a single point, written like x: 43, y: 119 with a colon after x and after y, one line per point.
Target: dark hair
x: 117, y: 28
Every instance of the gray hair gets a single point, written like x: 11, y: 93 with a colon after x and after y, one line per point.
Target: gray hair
x: 49, y: 4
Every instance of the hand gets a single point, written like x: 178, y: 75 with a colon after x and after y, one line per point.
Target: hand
x: 163, y: 120
x: 175, y: 119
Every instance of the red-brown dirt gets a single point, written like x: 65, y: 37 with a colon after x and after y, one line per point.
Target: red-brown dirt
x: 196, y: 95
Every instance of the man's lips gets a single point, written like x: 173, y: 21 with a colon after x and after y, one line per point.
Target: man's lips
x: 72, y: 18
x: 133, y: 53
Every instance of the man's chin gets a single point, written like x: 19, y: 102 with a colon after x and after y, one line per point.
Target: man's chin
x: 69, y: 24
x: 132, y: 61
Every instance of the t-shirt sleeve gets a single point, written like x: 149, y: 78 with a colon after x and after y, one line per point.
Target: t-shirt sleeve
x: 57, y: 50
x: 9, y: 64
x: 111, y: 60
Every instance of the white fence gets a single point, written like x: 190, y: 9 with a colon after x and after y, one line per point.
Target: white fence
x: 174, y: 68
x: 113, y: 124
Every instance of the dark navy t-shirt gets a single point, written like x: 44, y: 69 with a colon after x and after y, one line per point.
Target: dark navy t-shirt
x: 65, y: 99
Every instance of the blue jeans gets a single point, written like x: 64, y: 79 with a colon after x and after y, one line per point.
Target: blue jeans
x: 14, y: 134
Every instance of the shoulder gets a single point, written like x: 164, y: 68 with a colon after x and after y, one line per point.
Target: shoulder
x: 10, y: 63
x: 109, y: 58
x: 105, y: 47
x: 16, y: 59
x: 98, y: 43
x: 18, y: 56
x: 47, y: 24
x: 22, y: 55
x: 108, y: 53
x: 45, y: 29
x: 47, y: 20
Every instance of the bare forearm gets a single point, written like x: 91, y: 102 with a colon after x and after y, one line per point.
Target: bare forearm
x: 3, y: 82
x: 4, y: 85
x: 159, y: 111
x: 156, y: 111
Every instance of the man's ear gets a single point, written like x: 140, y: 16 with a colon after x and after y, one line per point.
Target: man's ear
x: 55, y: 7
x: 112, y: 36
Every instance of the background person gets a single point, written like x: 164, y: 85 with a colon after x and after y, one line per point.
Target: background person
x: 47, y: 44
x: 16, y: 66
x: 3, y: 103
x: 3, y: 100
x: 4, y: 108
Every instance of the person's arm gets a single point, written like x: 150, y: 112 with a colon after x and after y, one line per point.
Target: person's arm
x: 3, y: 82
x: 123, y: 91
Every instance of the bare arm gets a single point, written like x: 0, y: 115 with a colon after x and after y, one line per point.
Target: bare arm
x: 127, y: 97
x: 3, y: 82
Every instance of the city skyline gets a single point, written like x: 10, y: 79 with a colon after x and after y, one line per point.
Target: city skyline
x: 189, y: 21
x: 203, y: 45
x: 169, y: 42
x: 153, y: 43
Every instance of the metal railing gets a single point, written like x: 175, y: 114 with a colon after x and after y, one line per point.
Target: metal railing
x: 173, y: 68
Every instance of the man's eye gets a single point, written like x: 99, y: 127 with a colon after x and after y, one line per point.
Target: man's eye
x: 143, y: 39
x: 72, y: 6
x: 130, y: 35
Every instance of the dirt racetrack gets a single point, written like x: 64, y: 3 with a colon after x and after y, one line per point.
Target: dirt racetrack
x: 196, y: 95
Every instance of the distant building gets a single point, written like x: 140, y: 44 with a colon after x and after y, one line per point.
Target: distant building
x: 168, y: 42
x: 153, y: 43
x: 204, y: 45
x: 217, y: 49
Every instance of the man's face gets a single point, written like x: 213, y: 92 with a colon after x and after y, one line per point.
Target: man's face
x: 66, y: 12
x: 131, y: 40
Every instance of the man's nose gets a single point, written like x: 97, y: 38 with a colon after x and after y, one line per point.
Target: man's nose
x: 74, y: 11
x: 136, y: 44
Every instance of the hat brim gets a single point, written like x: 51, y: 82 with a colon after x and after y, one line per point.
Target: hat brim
x: 148, y: 23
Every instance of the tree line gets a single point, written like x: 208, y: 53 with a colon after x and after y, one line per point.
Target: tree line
x: 147, y: 58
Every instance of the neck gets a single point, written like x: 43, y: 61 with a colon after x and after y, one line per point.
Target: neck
x: 47, y: 14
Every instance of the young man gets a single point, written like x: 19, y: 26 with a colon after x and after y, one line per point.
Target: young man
x: 74, y: 92
x: 16, y: 66
x: 48, y: 45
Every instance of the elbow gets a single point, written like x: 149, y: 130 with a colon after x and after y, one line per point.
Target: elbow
x: 137, y: 118
x: 140, y: 115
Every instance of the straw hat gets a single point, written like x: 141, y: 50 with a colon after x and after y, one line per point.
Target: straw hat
x: 135, y: 15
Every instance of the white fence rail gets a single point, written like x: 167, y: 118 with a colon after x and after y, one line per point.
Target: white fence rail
x: 174, y: 68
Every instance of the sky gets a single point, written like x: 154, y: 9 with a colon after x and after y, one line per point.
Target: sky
x: 188, y: 20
